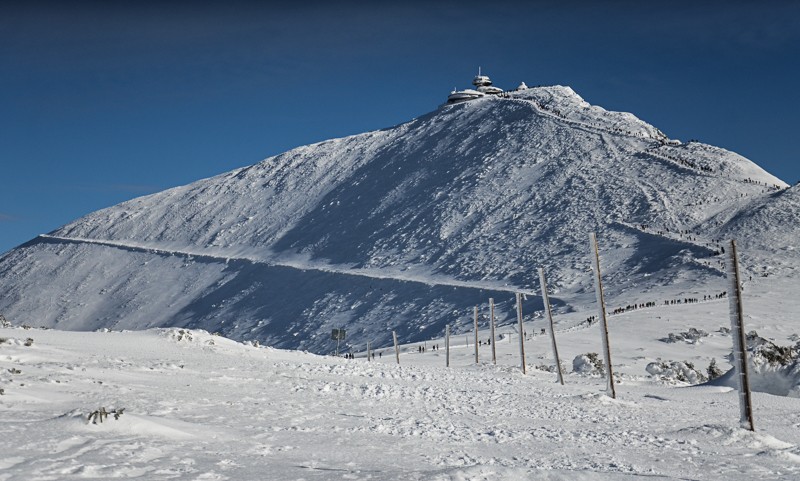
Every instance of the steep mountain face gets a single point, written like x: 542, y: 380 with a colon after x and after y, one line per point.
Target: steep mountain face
x: 767, y: 231
x: 403, y: 229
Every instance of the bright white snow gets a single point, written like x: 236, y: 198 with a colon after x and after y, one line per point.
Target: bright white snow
x: 201, y: 407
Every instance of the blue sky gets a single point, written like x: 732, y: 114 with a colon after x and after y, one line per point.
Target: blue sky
x: 101, y: 102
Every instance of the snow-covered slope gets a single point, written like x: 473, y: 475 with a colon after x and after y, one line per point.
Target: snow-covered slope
x: 768, y: 230
x: 402, y: 229
x: 202, y: 407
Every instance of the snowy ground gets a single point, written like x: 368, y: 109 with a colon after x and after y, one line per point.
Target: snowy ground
x: 202, y: 407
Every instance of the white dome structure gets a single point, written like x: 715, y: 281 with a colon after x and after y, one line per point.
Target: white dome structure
x: 483, y: 86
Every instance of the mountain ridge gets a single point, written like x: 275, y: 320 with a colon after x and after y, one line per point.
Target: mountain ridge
x: 471, y: 196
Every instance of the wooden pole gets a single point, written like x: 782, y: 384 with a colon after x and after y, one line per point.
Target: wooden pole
x: 546, y: 300
x: 368, y: 355
x: 598, y: 288
x: 491, y: 321
x: 447, y: 344
x: 396, y: 349
x: 476, y: 334
x: 739, y: 338
x: 521, y: 333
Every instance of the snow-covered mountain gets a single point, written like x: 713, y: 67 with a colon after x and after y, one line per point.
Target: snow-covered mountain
x: 409, y: 227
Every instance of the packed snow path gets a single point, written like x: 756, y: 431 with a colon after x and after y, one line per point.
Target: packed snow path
x: 429, y: 280
x: 200, y: 407
x: 219, y: 255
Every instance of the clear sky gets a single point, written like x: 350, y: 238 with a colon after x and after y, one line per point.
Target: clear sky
x: 101, y: 102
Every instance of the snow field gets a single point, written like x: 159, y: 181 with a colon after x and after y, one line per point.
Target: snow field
x: 199, y: 407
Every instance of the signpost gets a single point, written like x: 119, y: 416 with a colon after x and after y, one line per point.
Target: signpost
x: 447, y: 344
x: 521, y: 332
x: 338, y: 336
x: 491, y: 320
x: 476, y: 334
x: 546, y: 300
x: 739, y: 338
x: 396, y: 348
x: 601, y: 305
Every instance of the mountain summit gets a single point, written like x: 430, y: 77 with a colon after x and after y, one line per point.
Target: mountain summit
x: 406, y: 228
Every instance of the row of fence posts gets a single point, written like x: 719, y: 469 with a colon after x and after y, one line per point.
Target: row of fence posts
x: 736, y: 318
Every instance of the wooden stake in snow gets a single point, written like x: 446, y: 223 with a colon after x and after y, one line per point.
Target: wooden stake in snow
x: 598, y: 288
x: 396, y: 349
x: 546, y: 300
x: 476, y: 334
x: 447, y: 344
x: 368, y: 354
x: 739, y: 338
x: 521, y: 332
x: 491, y: 323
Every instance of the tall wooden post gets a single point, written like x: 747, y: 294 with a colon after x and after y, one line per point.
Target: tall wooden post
x: 598, y: 288
x: 476, y: 334
x: 739, y: 338
x: 521, y: 333
x: 546, y: 300
x: 369, y: 358
x: 491, y: 322
x: 396, y: 349
x: 447, y: 344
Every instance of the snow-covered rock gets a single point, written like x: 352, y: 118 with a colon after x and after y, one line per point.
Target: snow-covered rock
x: 589, y: 363
x: 676, y: 371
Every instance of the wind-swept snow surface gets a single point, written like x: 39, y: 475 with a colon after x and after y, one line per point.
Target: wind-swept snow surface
x: 407, y: 229
x: 201, y: 407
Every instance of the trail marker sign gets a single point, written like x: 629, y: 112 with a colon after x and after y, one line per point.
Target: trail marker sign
x: 338, y: 336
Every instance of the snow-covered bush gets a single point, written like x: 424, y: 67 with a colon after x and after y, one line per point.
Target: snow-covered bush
x: 692, y: 336
x: 766, y: 352
x: 189, y: 336
x: 773, y: 369
x: 101, y: 414
x: 549, y: 367
x: 676, y: 371
x: 713, y: 370
x: 589, y: 363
